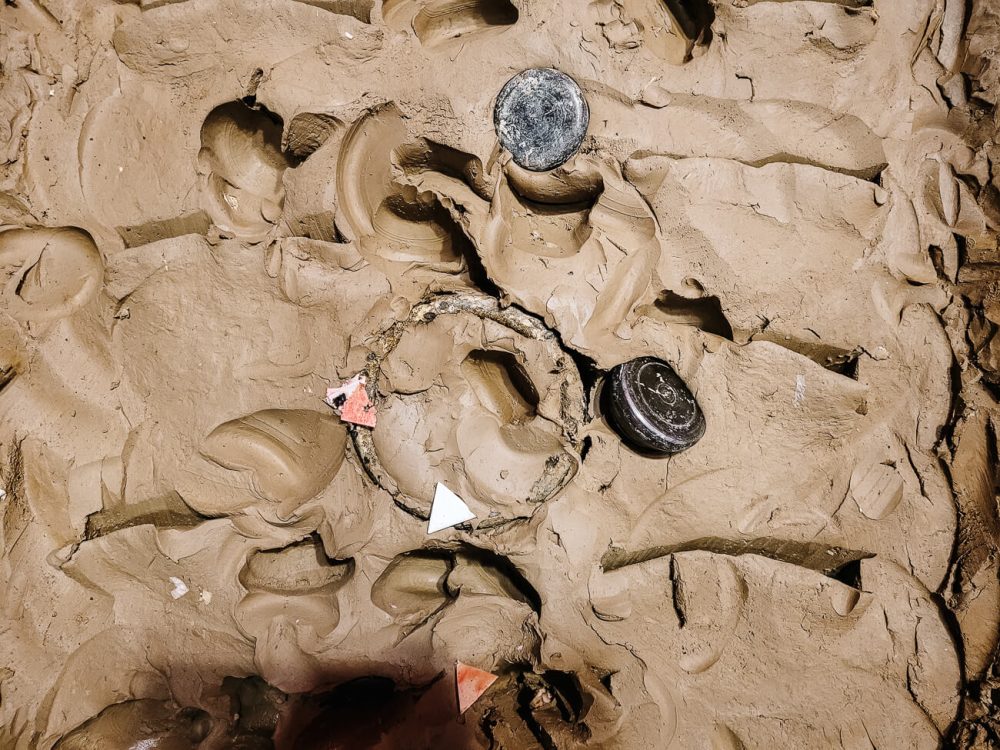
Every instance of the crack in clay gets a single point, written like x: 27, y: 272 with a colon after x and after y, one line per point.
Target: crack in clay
x: 826, y: 559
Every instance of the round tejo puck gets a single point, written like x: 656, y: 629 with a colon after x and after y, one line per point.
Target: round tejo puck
x: 541, y: 117
x: 651, y: 408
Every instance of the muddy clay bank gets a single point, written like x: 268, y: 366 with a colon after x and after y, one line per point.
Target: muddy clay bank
x: 214, y: 212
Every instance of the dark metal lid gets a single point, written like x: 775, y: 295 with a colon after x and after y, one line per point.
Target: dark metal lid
x: 651, y: 407
x: 541, y: 117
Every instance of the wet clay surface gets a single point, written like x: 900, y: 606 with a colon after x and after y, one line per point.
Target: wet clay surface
x: 213, y: 212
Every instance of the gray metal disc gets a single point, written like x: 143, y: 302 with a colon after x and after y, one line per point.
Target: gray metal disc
x: 541, y: 117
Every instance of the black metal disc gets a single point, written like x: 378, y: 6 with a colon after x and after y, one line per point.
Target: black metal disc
x: 541, y: 117
x: 651, y: 407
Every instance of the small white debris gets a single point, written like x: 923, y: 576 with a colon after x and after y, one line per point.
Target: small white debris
x: 345, y: 390
x: 206, y: 596
x: 3, y: 493
x: 121, y: 169
x: 348, y: 34
x: 800, y: 389
x: 880, y: 353
x: 180, y: 588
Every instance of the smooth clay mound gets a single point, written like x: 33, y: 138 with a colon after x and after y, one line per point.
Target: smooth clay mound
x: 214, y: 210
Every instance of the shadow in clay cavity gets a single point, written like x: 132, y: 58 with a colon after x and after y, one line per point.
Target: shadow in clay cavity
x: 241, y: 164
x: 437, y: 22
x: 140, y: 724
x: 396, y: 193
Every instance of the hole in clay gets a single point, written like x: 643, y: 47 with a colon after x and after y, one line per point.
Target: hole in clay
x: 255, y: 706
x: 439, y: 21
x: 704, y: 313
x: 307, y: 131
x: 242, y: 163
x: 569, y: 695
x: 418, y: 584
x: 605, y: 680
x: 435, y: 165
x: 426, y: 156
x: 848, y: 574
x: 549, y: 214
x: 398, y: 191
x: 296, y: 569
x: 250, y: 98
x: 502, y: 385
x: 31, y: 281
x: 412, y: 587
x: 140, y: 723
x: 290, y: 455
x: 551, y: 231
x: 359, y: 9
x: 672, y: 28
x: 694, y: 17
x: 512, y: 578
x: 417, y: 221
x: 846, y: 365
x: 845, y: 598
x: 835, y: 359
x: 552, y: 704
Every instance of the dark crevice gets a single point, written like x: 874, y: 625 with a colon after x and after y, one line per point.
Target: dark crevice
x: 7, y: 373
x: 605, y: 681
x: 849, y: 574
x: 167, y: 512
x: 32, y: 271
x: 553, y: 703
x: 704, y: 313
x: 478, y: 274
x: 307, y: 131
x: 822, y: 558
x: 525, y: 695
x: 569, y: 696
x: 833, y: 358
x: 501, y: 564
x: 695, y: 18
x: 501, y: 384
x: 359, y: 9
x: 250, y: 98
x: 846, y: 366
x: 677, y: 593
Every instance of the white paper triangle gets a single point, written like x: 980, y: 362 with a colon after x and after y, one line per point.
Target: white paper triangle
x: 447, y: 510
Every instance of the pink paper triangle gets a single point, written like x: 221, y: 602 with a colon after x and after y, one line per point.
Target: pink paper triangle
x: 358, y: 409
x: 472, y: 683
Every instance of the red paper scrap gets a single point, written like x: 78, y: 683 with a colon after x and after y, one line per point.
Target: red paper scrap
x: 472, y: 683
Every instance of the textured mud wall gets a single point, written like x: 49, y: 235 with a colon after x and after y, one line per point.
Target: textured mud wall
x: 214, y: 210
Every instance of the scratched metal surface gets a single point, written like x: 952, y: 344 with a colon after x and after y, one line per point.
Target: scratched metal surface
x: 541, y: 118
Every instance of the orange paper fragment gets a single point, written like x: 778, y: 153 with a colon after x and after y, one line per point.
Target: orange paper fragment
x: 351, y: 403
x: 358, y: 409
x: 471, y: 683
